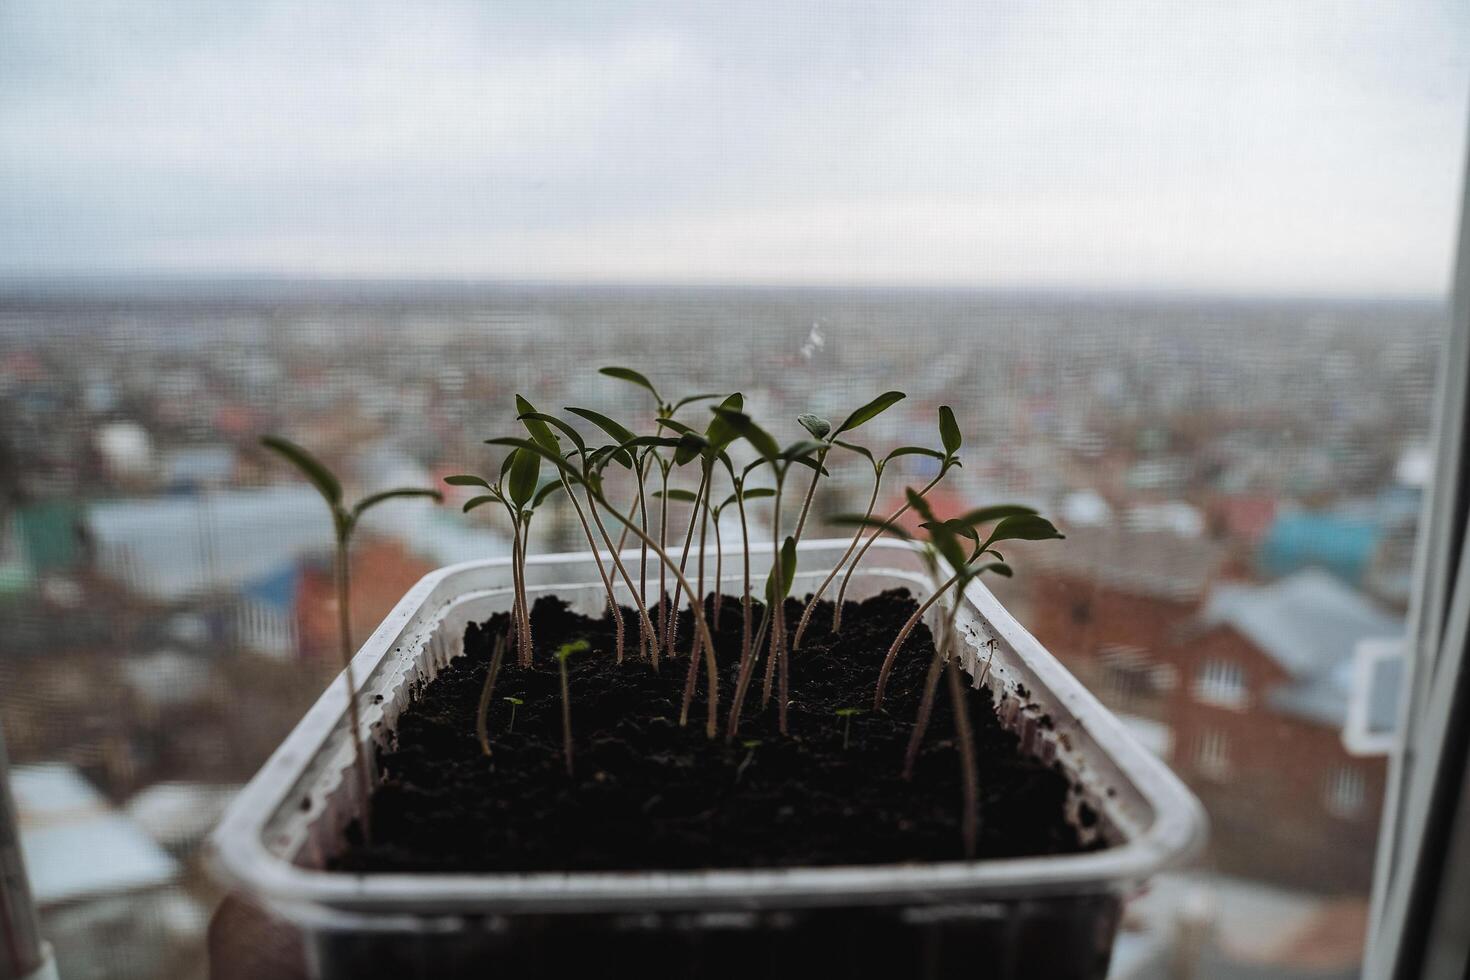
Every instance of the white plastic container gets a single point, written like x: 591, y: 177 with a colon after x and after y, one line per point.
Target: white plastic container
x: 1051, y: 916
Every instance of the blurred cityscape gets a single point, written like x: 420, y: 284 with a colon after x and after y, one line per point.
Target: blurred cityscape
x: 1239, y: 482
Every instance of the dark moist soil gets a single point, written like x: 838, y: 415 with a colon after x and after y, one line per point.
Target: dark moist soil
x: 649, y: 794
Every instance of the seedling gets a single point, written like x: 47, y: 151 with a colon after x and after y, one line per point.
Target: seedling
x: 562, y: 655
x: 1015, y: 523
x: 537, y: 425
x: 709, y: 448
x: 516, y: 490
x: 482, y: 711
x: 514, y: 704
x: 783, y: 567
x: 846, y: 714
x: 664, y: 409
x: 943, y: 547
x: 589, y: 474
x: 951, y: 438
x: 750, y: 745
x: 879, y: 466
x: 344, y: 522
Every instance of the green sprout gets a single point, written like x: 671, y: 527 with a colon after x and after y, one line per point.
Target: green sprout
x: 943, y: 547
x: 562, y: 655
x: 514, y: 704
x: 589, y: 474
x: 482, y: 711
x: 664, y: 409
x: 517, y: 491
x: 846, y: 714
x: 783, y: 565
x: 538, y: 426
x: 344, y: 522
x: 879, y: 466
x: 750, y: 745
x: 951, y: 439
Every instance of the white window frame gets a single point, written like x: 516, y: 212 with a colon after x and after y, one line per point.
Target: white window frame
x: 1421, y: 886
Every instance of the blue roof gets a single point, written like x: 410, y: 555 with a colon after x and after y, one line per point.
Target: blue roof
x: 1341, y: 544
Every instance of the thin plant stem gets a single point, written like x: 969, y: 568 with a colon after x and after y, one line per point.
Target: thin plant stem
x: 719, y: 574
x: 704, y: 640
x: 612, y: 601
x: 747, y: 660
x: 652, y: 638
x: 482, y: 711
x: 622, y: 570
x: 663, y: 567
x: 931, y: 688
x: 566, y: 714
x: 684, y: 556
x: 903, y: 634
x: 811, y: 491
x: 806, y: 614
x: 354, y: 714
x: 769, y: 619
x: 693, y: 673
x: 842, y: 591
x: 969, y: 771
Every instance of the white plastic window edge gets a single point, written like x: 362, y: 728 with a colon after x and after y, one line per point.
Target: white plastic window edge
x: 1439, y: 630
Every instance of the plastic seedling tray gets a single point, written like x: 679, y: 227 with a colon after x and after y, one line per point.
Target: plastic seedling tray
x: 1051, y: 916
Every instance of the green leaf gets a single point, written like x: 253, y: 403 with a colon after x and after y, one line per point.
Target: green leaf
x: 871, y: 410
x: 683, y: 496
x: 984, y: 515
x: 815, y: 424
x: 481, y: 501
x: 628, y: 374
x: 535, y: 423
x: 311, y: 467
x: 677, y: 426
x: 954, y: 527
x: 466, y: 480
x: 750, y: 432
x: 914, y: 451
x: 944, y: 541
x: 525, y: 471
x: 1024, y: 527
x: 810, y: 464
x: 690, y: 400
x: 620, y: 433
x: 719, y: 432
x: 998, y: 567
x: 787, y: 569
x: 535, y: 447
x: 848, y: 712
x: 864, y: 520
x: 949, y: 431
x: 691, y: 446
x: 860, y: 450
x: 756, y: 493
x: 546, y: 489
x: 568, y: 649
x: 372, y: 500
x: 540, y: 420
x: 919, y: 504
x: 803, y: 447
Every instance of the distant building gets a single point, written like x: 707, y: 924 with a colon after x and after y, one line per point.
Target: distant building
x: 1243, y: 689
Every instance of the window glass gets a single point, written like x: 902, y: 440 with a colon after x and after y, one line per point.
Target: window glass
x: 1180, y: 269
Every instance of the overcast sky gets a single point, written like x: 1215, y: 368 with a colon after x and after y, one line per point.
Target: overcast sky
x: 1251, y: 146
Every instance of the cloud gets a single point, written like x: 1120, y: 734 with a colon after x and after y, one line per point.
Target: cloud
x: 1250, y: 146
